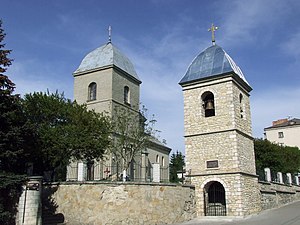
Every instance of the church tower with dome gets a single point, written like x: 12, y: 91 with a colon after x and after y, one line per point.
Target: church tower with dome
x: 107, y: 82
x: 105, y: 78
x: 218, y: 136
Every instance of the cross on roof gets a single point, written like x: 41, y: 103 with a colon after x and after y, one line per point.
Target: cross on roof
x: 109, y: 34
x: 213, y: 28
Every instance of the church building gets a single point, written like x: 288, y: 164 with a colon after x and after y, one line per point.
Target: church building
x: 106, y: 80
x: 218, y: 138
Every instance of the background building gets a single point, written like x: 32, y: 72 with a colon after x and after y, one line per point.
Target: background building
x: 284, y: 132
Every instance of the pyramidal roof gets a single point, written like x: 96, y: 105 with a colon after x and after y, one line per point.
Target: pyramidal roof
x: 211, y: 62
x: 106, y: 55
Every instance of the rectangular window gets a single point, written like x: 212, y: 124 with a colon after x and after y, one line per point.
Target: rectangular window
x: 280, y: 135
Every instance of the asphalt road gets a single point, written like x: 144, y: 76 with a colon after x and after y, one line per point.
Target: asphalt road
x: 285, y: 215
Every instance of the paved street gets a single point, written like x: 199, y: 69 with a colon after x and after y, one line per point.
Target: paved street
x: 286, y: 215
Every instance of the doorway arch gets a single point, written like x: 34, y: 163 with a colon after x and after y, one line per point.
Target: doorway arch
x: 214, y: 199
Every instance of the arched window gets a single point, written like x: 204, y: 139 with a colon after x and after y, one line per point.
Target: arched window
x: 157, y: 158
x: 163, y: 161
x: 126, y: 95
x: 242, y: 107
x: 92, y: 91
x: 208, y: 103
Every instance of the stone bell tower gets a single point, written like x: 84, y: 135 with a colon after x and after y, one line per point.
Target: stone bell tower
x: 218, y: 140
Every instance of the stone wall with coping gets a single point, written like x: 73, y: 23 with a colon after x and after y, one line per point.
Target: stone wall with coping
x: 121, y: 203
x: 274, y: 195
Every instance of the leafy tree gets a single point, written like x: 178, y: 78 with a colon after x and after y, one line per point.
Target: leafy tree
x: 176, y: 164
x: 13, y: 134
x: 267, y: 154
x: 64, y: 130
x: 132, y: 132
x: 278, y: 158
x: 291, y: 159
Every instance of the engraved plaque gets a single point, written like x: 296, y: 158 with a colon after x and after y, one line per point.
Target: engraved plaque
x: 212, y: 164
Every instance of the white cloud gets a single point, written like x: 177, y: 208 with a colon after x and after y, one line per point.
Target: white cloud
x: 251, y: 21
x: 34, y: 76
x: 292, y: 45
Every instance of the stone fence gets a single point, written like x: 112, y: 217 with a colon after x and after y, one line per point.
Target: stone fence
x: 278, y: 189
x: 118, y: 203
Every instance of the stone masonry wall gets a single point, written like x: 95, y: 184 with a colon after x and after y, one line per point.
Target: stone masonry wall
x: 121, y: 203
x: 274, y: 195
x: 227, y: 108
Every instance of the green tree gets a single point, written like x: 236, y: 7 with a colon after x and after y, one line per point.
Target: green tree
x: 278, y: 158
x: 176, y: 164
x: 13, y: 134
x: 267, y: 154
x: 131, y: 133
x: 64, y: 130
x: 290, y: 157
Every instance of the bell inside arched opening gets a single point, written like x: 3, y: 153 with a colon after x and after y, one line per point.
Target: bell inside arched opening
x: 208, y: 104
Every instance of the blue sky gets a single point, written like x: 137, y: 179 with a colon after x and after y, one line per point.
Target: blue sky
x: 50, y: 38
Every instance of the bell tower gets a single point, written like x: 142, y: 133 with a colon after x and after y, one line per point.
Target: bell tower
x: 218, y: 137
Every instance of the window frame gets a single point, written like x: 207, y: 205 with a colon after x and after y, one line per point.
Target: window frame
x: 126, y: 95
x: 92, y: 91
x: 280, y: 134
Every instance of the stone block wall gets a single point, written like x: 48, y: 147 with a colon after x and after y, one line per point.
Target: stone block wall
x: 234, y: 153
x: 227, y: 108
x: 121, y: 203
x: 273, y: 195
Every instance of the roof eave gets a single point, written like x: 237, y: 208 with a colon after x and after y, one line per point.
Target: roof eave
x: 79, y: 73
x: 217, y: 76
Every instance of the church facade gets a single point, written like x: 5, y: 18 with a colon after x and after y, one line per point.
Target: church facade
x: 218, y: 138
x: 106, y: 81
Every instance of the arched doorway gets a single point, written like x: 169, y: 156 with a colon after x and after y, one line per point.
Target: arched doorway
x: 214, y: 199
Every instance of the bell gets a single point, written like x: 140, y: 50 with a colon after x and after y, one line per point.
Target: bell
x: 209, y: 105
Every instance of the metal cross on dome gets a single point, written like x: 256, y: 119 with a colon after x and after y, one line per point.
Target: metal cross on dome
x: 213, y: 28
x: 109, y: 34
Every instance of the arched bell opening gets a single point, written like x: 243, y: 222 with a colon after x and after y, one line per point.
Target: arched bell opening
x: 214, y: 199
x: 208, y: 103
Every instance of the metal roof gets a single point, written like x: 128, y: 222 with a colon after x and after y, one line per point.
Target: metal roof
x: 106, y: 55
x: 291, y: 122
x: 210, y: 62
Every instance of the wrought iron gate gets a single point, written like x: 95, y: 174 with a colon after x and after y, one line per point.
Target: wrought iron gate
x: 215, y: 204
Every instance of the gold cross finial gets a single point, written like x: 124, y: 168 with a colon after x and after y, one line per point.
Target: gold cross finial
x: 109, y: 34
x: 213, y: 28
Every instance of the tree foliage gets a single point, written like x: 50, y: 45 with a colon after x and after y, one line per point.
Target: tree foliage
x: 13, y: 134
x: 131, y: 132
x: 176, y: 164
x: 64, y: 130
x: 278, y: 158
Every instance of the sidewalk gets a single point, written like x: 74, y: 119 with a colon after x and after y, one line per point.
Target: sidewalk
x: 285, y: 215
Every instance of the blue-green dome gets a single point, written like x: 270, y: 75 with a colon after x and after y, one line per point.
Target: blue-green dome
x: 212, y: 61
x: 106, y: 55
